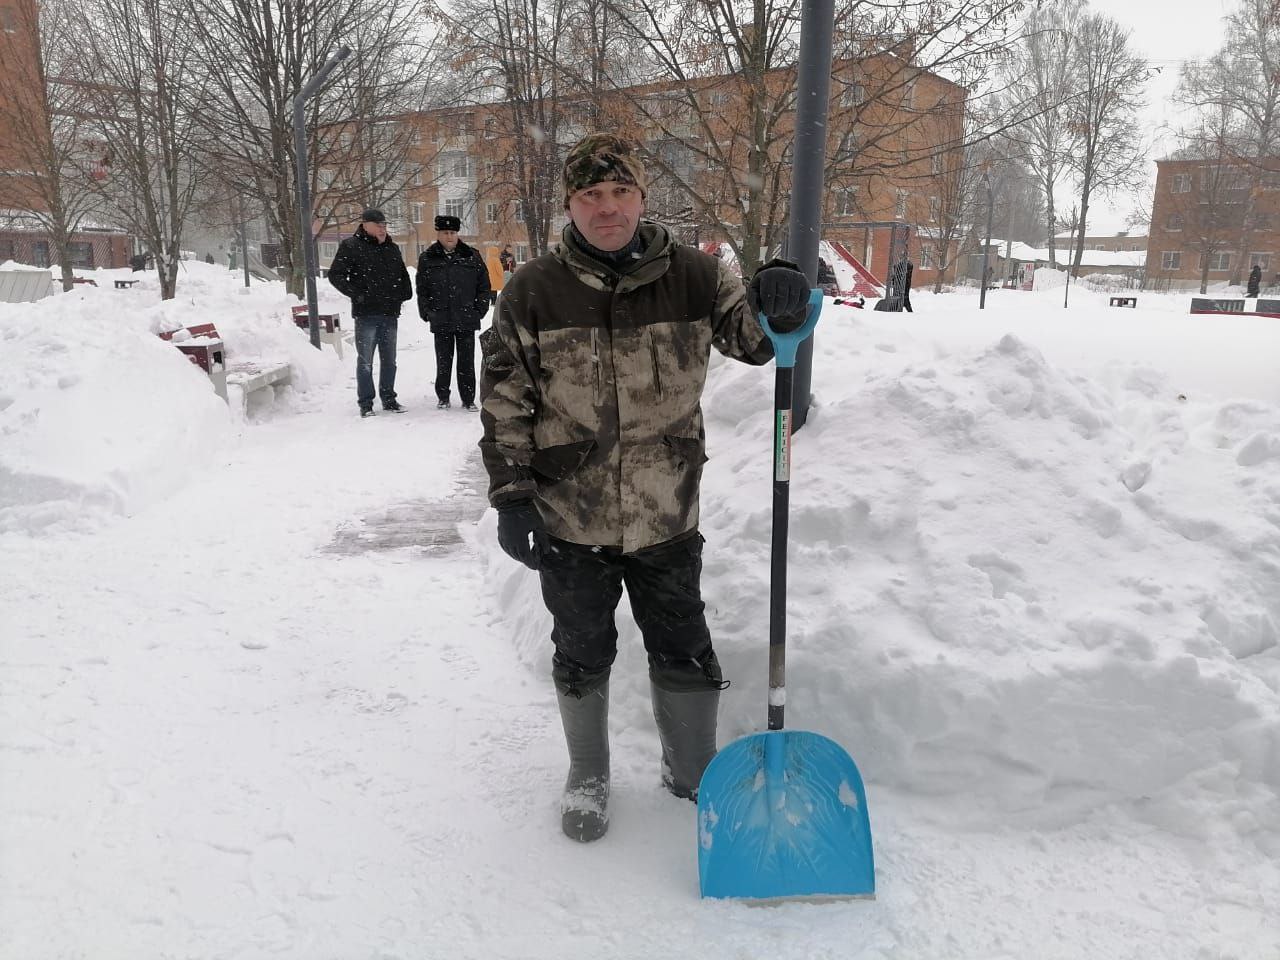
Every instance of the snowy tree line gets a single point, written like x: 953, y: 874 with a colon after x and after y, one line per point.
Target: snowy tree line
x: 155, y: 111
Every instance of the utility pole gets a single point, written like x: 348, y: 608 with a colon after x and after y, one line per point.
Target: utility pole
x: 986, y: 247
x: 813, y: 95
x: 303, y: 187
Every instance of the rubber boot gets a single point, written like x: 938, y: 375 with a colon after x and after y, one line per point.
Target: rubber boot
x: 584, y: 806
x: 687, y: 728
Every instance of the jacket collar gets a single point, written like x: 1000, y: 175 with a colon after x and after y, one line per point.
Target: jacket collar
x: 657, y: 246
x: 436, y: 250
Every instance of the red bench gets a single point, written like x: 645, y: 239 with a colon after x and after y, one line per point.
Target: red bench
x: 330, y: 331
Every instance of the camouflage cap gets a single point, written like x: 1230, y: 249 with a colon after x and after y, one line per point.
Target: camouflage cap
x: 598, y: 157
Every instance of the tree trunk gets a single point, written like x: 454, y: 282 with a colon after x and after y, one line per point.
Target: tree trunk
x: 1082, y: 230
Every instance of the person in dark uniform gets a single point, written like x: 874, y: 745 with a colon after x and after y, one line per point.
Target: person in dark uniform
x: 454, y: 294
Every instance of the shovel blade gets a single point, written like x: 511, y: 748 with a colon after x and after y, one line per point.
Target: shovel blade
x: 782, y: 815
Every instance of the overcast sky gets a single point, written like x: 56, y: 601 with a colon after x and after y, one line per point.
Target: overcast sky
x: 1167, y: 33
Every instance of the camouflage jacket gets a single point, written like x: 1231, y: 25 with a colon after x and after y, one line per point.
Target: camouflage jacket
x: 592, y: 382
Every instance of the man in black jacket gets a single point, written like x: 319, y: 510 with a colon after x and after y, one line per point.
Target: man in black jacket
x: 369, y: 269
x: 453, y: 296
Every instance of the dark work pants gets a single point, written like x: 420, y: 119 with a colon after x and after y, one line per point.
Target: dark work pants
x: 466, y: 344
x: 376, y: 333
x: 581, y: 587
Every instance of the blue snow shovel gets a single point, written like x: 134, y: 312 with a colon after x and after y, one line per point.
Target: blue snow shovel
x: 783, y: 814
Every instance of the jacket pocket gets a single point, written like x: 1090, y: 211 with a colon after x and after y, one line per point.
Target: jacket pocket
x: 689, y: 450
x: 556, y: 463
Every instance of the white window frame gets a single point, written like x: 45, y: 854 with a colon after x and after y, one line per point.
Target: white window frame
x: 328, y: 250
x: 847, y: 201
x: 1223, y: 259
x: 417, y: 211
x: 935, y: 209
x: 1181, y: 183
x: 518, y: 209
x: 1177, y: 218
x: 926, y: 257
x: 1171, y: 260
x: 1262, y: 260
x: 900, y: 206
x: 522, y: 252
x: 456, y: 207
x: 491, y: 213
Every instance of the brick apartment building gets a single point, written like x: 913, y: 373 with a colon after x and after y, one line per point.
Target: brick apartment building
x: 890, y: 188
x: 22, y: 237
x: 1212, y: 220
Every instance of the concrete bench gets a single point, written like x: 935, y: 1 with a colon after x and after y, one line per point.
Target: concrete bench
x: 1124, y: 302
x: 330, y: 331
x: 204, y: 348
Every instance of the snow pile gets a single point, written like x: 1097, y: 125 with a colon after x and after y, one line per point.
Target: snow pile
x: 99, y: 416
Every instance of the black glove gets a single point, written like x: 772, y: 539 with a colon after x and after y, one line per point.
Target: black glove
x: 782, y: 295
x: 517, y: 522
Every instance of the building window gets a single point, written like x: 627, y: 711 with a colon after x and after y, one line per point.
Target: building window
x: 847, y: 202
x: 394, y: 210
x: 1218, y: 262
x: 462, y: 167
x: 417, y: 176
x: 491, y: 170
x: 519, y: 209
x: 900, y: 207
x: 490, y: 127
x: 853, y: 95
x: 455, y: 208
x: 1171, y: 260
x: 1270, y: 181
x: 935, y: 164
x: 40, y: 253
x: 926, y: 258
x: 1181, y: 183
x: 1175, y: 222
x: 934, y: 209
x: 522, y: 252
x: 490, y: 213
x: 80, y: 254
x: 1262, y: 260
x: 328, y: 250
x: 417, y: 209
x: 8, y: 20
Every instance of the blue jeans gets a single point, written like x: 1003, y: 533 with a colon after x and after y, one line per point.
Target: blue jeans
x: 380, y: 333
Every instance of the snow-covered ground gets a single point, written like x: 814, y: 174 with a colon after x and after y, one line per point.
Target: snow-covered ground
x: 1035, y: 577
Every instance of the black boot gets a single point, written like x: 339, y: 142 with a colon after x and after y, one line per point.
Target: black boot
x: 584, y: 806
x: 687, y: 727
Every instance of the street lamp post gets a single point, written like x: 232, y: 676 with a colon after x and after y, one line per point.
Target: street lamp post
x: 304, y: 186
x: 986, y: 247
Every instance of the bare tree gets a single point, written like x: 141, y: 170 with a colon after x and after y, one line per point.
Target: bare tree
x: 1040, y: 76
x: 1110, y: 79
x: 719, y: 119
x: 52, y: 152
x: 260, y: 53
x: 1210, y: 203
x: 143, y: 52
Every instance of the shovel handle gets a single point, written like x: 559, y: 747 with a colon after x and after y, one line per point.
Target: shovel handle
x: 785, y: 346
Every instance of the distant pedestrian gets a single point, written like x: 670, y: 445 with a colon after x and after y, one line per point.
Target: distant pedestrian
x: 905, y: 270
x: 507, y: 260
x: 1255, y: 281
x: 369, y: 269
x: 453, y: 296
